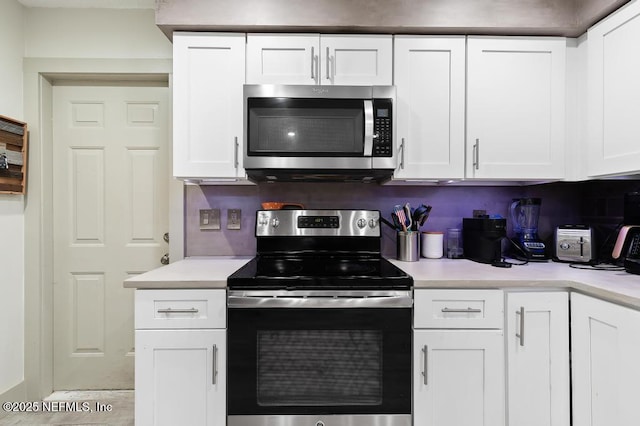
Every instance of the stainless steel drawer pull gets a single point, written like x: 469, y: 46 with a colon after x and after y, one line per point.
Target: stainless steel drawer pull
x: 328, y: 65
x: 462, y: 311
x: 521, y: 334
x: 425, y: 350
x: 178, y: 311
x: 313, y: 77
x: 214, y: 364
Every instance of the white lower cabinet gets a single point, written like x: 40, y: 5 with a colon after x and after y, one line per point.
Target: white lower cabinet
x: 458, y: 378
x: 181, y: 350
x: 458, y: 368
x: 180, y: 377
x: 605, y: 341
x: 538, y: 376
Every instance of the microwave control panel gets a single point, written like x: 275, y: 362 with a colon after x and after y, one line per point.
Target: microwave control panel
x: 382, y: 128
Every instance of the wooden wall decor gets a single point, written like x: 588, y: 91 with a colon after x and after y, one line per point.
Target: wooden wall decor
x: 13, y: 156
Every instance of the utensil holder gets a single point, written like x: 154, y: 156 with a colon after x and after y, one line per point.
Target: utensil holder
x: 408, y: 246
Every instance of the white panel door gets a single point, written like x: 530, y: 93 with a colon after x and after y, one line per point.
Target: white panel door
x: 181, y: 377
x: 538, y: 374
x: 515, y: 107
x: 208, y: 74
x: 283, y: 58
x: 353, y: 60
x: 430, y: 81
x: 605, y: 347
x: 110, y: 173
x: 464, y: 380
x: 614, y: 93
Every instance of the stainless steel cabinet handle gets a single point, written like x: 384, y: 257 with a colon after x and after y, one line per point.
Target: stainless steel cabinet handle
x: 236, y: 147
x: 164, y: 260
x: 521, y: 334
x: 476, y: 154
x: 463, y: 311
x: 425, y: 364
x: 178, y: 311
x: 312, y: 63
x: 214, y: 365
x: 402, y: 154
x: 328, y: 65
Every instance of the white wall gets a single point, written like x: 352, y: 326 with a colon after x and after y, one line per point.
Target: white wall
x: 94, y: 33
x: 11, y: 206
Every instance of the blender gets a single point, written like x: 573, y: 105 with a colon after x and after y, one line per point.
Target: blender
x: 524, y: 213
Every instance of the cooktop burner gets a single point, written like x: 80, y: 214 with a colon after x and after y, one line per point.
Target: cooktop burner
x: 317, y: 272
x: 318, y: 249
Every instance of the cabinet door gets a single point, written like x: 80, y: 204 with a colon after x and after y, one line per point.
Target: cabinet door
x: 605, y: 349
x: 516, y: 107
x: 430, y: 83
x: 614, y: 93
x: 538, y: 359
x: 283, y: 58
x: 319, y: 59
x: 464, y: 381
x: 356, y: 60
x: 180, y: 377
x: 208, y: 74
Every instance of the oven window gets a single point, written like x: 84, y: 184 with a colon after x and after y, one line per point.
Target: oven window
x: 308, y: 127
x: 319, y: 367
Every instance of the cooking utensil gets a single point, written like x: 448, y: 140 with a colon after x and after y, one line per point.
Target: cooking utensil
x: 399, y: 212
x: 271, y: 205
x: 407, y: 214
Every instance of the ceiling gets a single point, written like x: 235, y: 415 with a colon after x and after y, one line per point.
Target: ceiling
x: 102, y: 4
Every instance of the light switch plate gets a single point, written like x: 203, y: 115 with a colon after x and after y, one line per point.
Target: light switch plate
x: 209, y: 219
x: 234, y: 218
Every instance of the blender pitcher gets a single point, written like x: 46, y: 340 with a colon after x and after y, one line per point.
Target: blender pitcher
x: 524, y: 213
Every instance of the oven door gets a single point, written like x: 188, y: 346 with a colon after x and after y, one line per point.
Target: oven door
x: 301, y: 359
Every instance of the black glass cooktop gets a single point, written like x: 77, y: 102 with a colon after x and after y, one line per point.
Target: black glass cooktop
x: 273, y: 272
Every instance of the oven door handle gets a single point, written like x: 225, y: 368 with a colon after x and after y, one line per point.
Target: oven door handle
x: 248, y: 299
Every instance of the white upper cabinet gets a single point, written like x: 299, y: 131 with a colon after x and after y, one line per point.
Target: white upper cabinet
x: 208, y: 74
x: 515, y: 107
x: 614, y: 94
x: 319, y: 59
x: 429, y: 74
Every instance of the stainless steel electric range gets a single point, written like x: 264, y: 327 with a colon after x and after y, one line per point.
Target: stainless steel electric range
x: 319, y: 325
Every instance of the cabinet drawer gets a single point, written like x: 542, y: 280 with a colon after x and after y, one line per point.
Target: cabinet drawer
x: 157, y: 309
x: 458, y: 309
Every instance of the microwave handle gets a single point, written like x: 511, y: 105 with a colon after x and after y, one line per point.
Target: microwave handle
x: 368, y: 128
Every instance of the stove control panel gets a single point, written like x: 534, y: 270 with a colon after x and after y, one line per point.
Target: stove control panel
x: 342, y: 223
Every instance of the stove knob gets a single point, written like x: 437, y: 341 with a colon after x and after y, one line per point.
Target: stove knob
x: 372, y: 223
x: 263, y: 221
x: 361, y: 223
x: 275, y: 222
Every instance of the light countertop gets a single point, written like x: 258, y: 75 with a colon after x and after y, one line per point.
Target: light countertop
x: 618, y: 286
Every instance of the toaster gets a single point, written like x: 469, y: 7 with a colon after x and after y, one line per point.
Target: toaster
x: 574, y: 243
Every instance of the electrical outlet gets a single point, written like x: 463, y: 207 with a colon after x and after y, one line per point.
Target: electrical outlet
x: 234, y: 218
x: 209, y: 219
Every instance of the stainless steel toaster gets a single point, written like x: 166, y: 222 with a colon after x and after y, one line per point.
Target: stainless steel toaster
x: 574, y: 243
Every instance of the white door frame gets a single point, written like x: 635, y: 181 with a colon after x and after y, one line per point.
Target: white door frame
x: 40, y: 75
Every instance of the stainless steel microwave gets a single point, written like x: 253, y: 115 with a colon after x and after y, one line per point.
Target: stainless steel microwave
x: 328, y: 133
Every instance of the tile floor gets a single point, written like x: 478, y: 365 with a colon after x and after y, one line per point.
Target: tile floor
x: 68, y: 408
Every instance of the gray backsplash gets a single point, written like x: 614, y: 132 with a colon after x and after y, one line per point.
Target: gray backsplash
x: 561, y: 203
